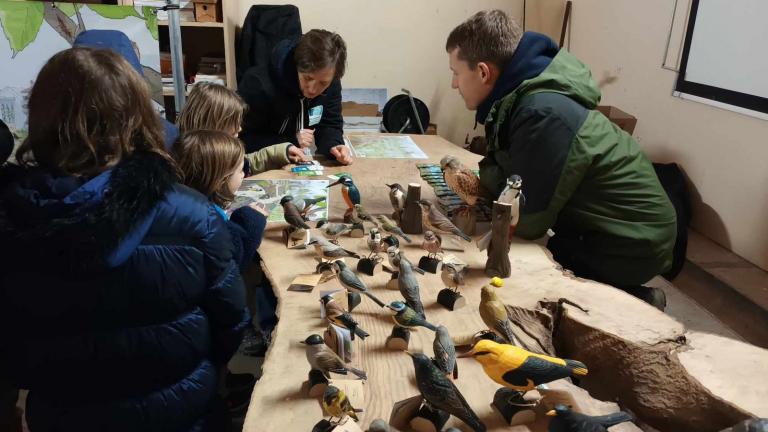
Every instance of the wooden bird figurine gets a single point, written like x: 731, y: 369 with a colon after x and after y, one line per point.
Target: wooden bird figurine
x: 433, y: 220
x: 452, y: 277
x: 445, y: 352
x: 292, y: 214
x: 333, y: 230
x: 373, y: 240
x: 494, y: 315
x: 391, y: 227
x: 521, y: 370
x: 397, y: 196
x: 336, y: 404
x: 322, y: 358
x: 512, y: 195
x: 336, y: 314
x: 461, y: 180
x: 307, y: 205
x: 409, y: 287
x: 565, y: 420
x: 349, y: 191
x: 359, y: 213
x: 408, y: 318
x: 432, y: 244
x: 395, y: 255
x: 349, y: 280
x: 440, y: 392
x: 328, y: 251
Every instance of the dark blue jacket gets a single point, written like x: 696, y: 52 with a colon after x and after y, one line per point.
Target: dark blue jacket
x: 276, y: 105
x: 119, y: 299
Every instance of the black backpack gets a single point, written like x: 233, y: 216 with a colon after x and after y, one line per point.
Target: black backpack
x: 263, y: 28
x: 673, y: 181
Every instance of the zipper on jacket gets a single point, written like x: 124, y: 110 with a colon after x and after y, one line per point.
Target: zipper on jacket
x: 283, y: 126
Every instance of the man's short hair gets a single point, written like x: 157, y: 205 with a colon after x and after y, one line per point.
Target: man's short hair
x: 319, y: 49
x: 487, y: 36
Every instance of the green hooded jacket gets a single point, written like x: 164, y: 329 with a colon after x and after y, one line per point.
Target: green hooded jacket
x: 582, y: 175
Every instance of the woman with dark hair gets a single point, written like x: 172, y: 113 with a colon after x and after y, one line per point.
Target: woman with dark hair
x: 119, y: 298
x: 296, y: 98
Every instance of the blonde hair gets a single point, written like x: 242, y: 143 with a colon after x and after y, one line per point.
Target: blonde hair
x: 213, y: 107
x: 207, y: 159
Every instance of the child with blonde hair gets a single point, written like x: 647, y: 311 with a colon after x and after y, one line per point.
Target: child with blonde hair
x: 215, y: 107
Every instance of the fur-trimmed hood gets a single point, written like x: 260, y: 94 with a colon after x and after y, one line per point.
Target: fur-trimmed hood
x: 79, y: 223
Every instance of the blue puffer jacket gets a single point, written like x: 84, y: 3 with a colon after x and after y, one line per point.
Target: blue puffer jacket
x: 119, y: 299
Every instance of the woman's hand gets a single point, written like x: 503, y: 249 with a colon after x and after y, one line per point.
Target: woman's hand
x: 296, y: 155
x: 342, y: 154
x: 259, y: 207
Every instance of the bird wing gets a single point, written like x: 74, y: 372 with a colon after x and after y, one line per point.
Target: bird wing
x: 349, y: 279
x: 439, y: 221
x: 446, y: 397
x: 536, y: 370
x: 328, y: 360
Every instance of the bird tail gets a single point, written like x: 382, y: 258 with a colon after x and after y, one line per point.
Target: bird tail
x: 360, y: 374
x: 352, y: 253
x: 471, y: 419
x: 375, y: 299
x: 418, y: 270
x: 614, y: 419
x: 405, y: 237
x: 577, y: 368
x: 360, y: 332
x: 484, y: 241
x: 430, y: 326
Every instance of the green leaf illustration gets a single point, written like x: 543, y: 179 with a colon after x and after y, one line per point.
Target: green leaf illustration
x: 151, y: 20
x: 21, y: 22
x: 115, y: 12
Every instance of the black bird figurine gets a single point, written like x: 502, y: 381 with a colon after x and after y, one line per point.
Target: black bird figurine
x: 565, y: 420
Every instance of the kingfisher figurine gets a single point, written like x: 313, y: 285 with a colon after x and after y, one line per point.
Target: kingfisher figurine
x: 350, y: 192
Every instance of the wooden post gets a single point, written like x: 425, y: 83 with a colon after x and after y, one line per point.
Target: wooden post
x: 498, y: 251
x: 411, y: 220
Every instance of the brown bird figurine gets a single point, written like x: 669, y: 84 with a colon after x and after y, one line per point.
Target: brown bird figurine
x: 461, y: 180
x: 452, y: 276
x: 433, y: 220
x: 322, y: 358
x: 432, y: 244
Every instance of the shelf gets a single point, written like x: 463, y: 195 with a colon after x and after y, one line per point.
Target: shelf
x: 194, y: 24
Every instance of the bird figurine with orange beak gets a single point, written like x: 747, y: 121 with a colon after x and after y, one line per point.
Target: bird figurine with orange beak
x: 349, y: 192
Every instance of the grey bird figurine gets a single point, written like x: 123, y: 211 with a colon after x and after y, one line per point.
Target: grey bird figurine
x: 409, y: 287
x: 452, y: 277
x: 440, y: 392
x: 333, y: 230
x: 328, y: 251
x: 432, y: 244
x: 336, y: 314
x: 433, y: 220
x: 360, y: 213
x: 512, y: 194
x: 292, y: 214
x: 445, y: 352
x: 391, y: 227
x: 396, y: 196
x: 352, y: 283
x: 565, y: 420
x: 408, y: 318
x: 322, y: 358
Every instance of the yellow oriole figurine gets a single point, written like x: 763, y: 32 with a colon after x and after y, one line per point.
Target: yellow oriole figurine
x: 336, y: 404
x: 521, y: 370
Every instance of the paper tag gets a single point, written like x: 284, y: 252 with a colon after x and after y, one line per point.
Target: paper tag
x: 315, y: 114
x: 305, y: 283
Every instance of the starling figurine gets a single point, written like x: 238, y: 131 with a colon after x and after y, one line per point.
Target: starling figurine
x: 521, y: 370
x: 408, y: 318
x: 397, y: 196
x: 336, y: 404
x: 359, y: 213
x: 431, y: 244
x: 328, y: 251
x: 391, y: 227
x: 512, y: 195
x: 452, y: 277
x: 565, y: 420
x: 333, y: 231
x: 461, y: 180
x: 445, y: 352
x: 494, y: 315
x: 433, y: 220
x: 409, y: 287
x: 336, y: 314
x: 292, y: 214
x: 352, y: 283
x: 322, y: 358
x: 441, y: 394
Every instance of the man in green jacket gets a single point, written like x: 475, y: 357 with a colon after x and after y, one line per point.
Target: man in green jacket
x: 583, y: 177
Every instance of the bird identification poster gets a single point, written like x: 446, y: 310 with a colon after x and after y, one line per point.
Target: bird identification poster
x: 377, y: 146
x: 270, y: 192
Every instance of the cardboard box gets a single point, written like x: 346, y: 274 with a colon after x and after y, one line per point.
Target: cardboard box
x: 207, y: 11
x: 354, y: 109
x: 623, y: 120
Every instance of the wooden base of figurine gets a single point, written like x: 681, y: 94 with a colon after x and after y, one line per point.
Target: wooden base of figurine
x: 429, y: 264
x: 367, y: 266
x: 348, y: 425
x: 353, y: 300
x: 358, y: 230
x: 513, y: 407
x: 392, y: 283
x: 295, y: 238
x: 450, y: 299
x: 429, y: 420
x: 317, y: 382
x: 399, y: 339
x: 466, y: 221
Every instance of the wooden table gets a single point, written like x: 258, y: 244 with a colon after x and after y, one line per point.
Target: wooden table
x: 278, y: 402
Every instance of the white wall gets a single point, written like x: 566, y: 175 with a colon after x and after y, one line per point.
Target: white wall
x: 723, y: 153
x: 399, y: 44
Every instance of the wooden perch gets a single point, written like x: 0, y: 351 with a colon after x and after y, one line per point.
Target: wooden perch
x: 498, y: 251
x: 411, y: 220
